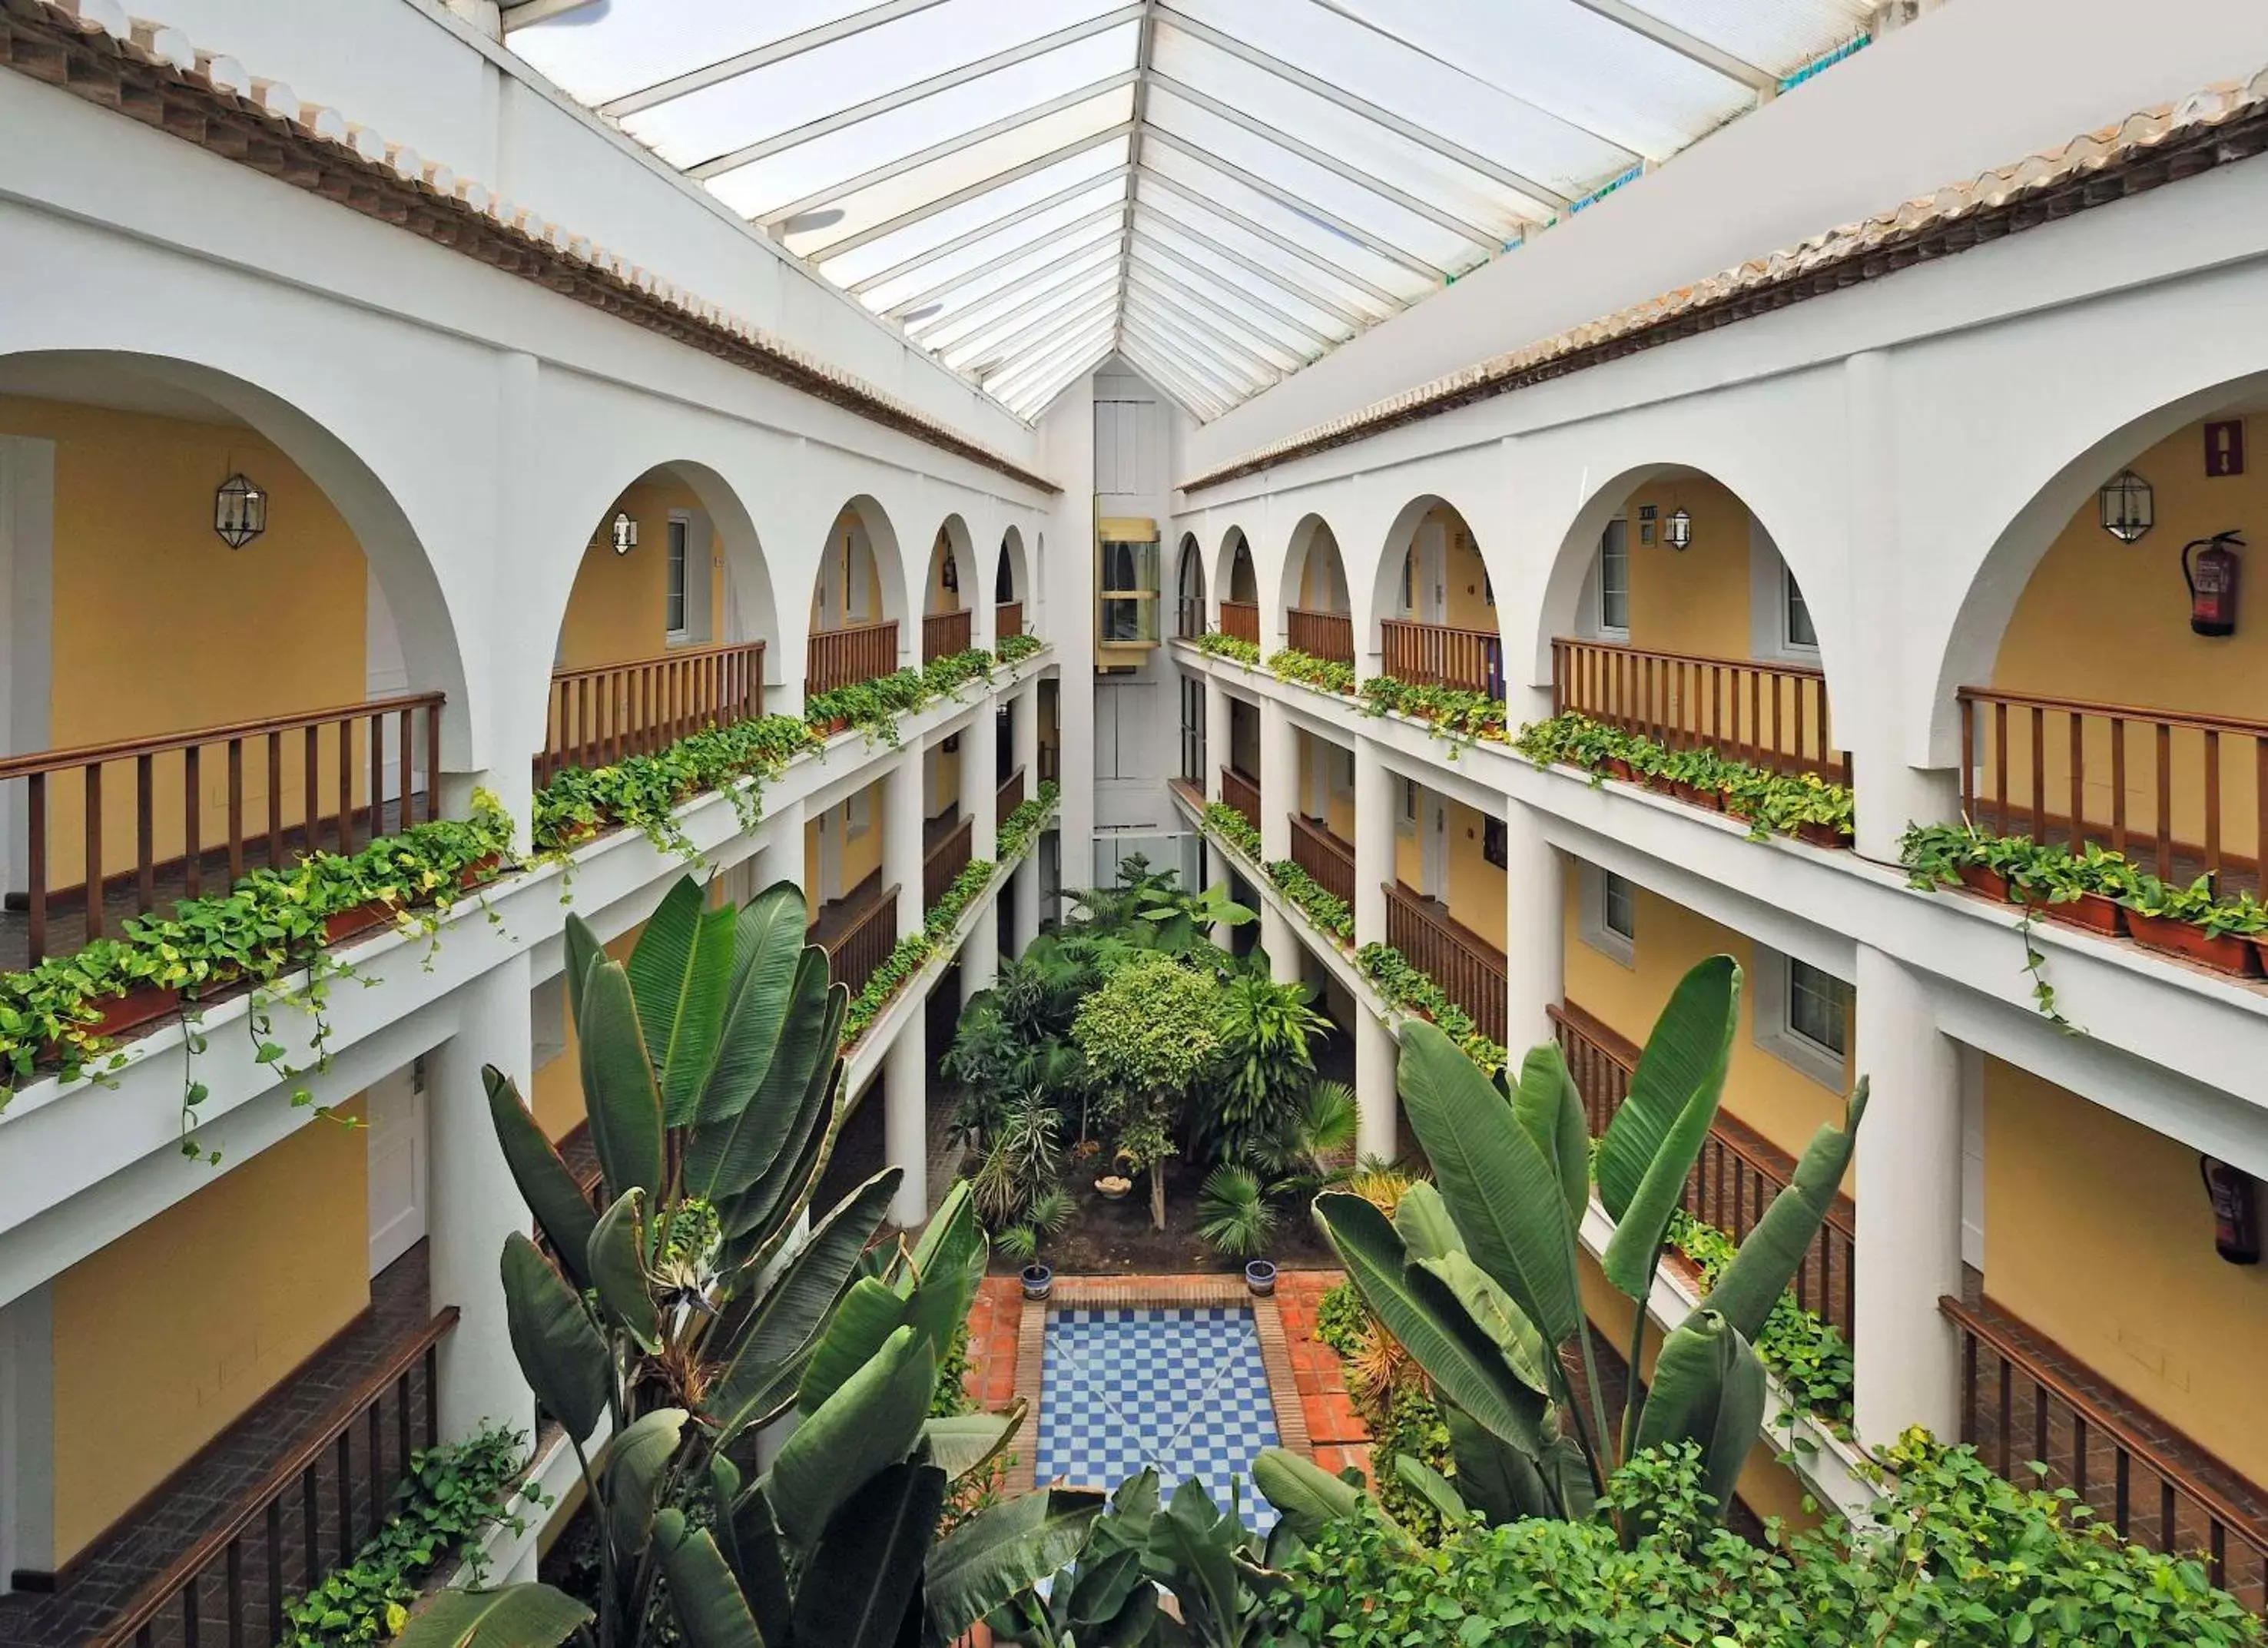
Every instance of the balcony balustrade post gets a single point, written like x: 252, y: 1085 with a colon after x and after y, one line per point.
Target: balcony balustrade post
x: 472, y: 1203
x: 1533, y: 945
x: 1908, y: 1249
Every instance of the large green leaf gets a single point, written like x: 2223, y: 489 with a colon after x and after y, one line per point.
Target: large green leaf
x: 1775, y: 1250
x: 562, y: 1212
x: 584, y: 953
x: 678, y: 972
x: 618, y: 1087
x: 1463, y: 1362
x: 1193, y: 1549
x: 513, y: 1616
x: 1708, y: 1386
x: 1305, y: 1495
x: 1002, y: 1552
x: 1496, y: 1479
x: 1491, y: 1308
x: 763, y: 1367
x: 949, y: 1263
x: 636, y: 1466
x: 1430, y: 1485
x: 1421, y: 1219
x: 767, y: 948
x: 1685, y: 1064
x: 1687, y: 1051
x: 1503, y: 1192
x: 869, y: 1315
x: 866, y: 1573
x: 760, y: 1559
x: 757, y: 1215
x: 615, y: 1264
x: 725, y: 1157
x: 711, y: 1611
x: 561, y: 1354
x: 1551, y: 1108
x: 872, y: 1420
x: 967, y: 1443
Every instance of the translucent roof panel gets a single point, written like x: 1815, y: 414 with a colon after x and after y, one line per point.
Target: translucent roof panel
x: 1220, y: 191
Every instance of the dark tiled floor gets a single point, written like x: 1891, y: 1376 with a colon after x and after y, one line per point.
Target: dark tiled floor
x: 218, y: 1481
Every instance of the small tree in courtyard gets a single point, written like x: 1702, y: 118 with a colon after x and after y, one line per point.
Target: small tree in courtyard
x: 1150, y: 1032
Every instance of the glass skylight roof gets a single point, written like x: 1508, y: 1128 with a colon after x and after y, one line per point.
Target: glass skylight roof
x: 1219, y: 190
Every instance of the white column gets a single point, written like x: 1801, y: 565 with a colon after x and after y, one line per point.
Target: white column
x: 1024, y: 728
x: 1279, y: 779
x: 1377, y: 1104
x: 980, y: 798
x: 902, y: 837
x: 1534, y: 917
x: 905, y: 1119
x: 472, y: 1205
x: 1909, y: 1196
x: 1217, y: 741
x: 1280, y: 939
x: 1374, y: 788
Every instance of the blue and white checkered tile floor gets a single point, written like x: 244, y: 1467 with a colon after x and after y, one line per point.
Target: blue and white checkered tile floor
x: 1181, y: 1388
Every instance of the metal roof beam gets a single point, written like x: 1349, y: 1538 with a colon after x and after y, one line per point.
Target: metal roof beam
x: 1035, y: 331
x: 985, y: 231
x: 1282, y: 243
x: 1026, y: 303
x: 1038, y: 308
x: 1098, y: 331
x: 1285, y: 198
x: 1084, y: 248
x: 1199, y: 402
x: 810, y: 131
x: 762, y: 57
x: 1180, y: 301
x: 1763, y: 82
x: 1257, y: 302
x: 1145, y: 46
x: 993, y: 266
x: 913, y: 215
x: 1031, y: 400
x: 1274, y: 276
x: 1223, y: 352
x: 1410, y: 130
x: 1199, y: 364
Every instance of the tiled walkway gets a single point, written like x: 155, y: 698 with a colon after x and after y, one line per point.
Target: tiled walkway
x: 1338, y: 1433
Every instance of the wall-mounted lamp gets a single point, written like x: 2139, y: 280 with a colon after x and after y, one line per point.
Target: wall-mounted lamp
x: 239, y: 512
x: 624, y: 534
x: 1677, y: 530
x: 2235, y: 1197
x: 950, y: 575
x: 2126, y: 507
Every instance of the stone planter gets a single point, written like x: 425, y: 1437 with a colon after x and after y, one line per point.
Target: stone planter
x: 1038, y: 1281
x: 1260, y: 1276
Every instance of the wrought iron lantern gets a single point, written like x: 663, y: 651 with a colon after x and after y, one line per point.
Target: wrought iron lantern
x: 2125, y: 506
x: 1677, y: 531
x: 950, y: 576
x: 239, y: 512
x: 625, y: 534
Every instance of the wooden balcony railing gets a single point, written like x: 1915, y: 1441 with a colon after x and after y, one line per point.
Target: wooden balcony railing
x: 1737, y: 1177
x: 232, y: 1582
x: 945, y: 860
x: 110, y: 830
x: 1773, y: 715
x: 1240, y: 619
x: 1324, y: 857
x: 944, y: 633
x: 1242, y: 793
x: 1323, y: 635
x: 1189, y: 617
x: 837, y: 658
x: 1011, y: 795
x: 600, y: 715
x: 2182, y: 794
x: 1007, y: 620
x: 2022, y: 1401
x: 1436, y: 655
x: 1470, y: 971
x: 857, y: 951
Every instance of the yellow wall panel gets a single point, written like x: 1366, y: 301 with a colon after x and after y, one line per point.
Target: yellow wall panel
x: 2097, y: 1232
x: 1465, y: 604
x: 1695, y: 600
x: 617, y: 610
x: 1476, y: 889
x: 164, y: 1337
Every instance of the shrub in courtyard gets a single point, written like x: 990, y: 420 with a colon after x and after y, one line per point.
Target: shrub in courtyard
x: 1147, y: 1034
x: 1267, y: 1064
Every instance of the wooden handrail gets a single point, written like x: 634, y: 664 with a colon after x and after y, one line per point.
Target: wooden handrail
x: 160, y: 743
x: 1242, y: 793
x: 945, y: 860
x: 1440, y: 655
x: 839, y: 657
x: 1240, y: 620
x: 1323, y: 635
x: 861, y: 948
x: 180, y: 1578
x: 1009, y: 795
x: 1992, y: 1328
x: 944, y: 634
x: 1468, y: 970
x: 1766, y: 712
x: 1323, y: 856
x: 2071, y: 770
x: 602, y: 713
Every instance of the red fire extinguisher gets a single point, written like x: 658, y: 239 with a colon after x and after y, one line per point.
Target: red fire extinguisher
x: 2209, y: 565
x: 2235, y: 1197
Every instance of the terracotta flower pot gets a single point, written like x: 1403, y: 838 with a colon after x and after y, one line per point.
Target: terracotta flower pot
x: 2090, y: 911
x: 479, y: 871
x: 2224, y: 953
x: 1617, y: 767
x: 133, y: 1009
x: 1990, y: 883
x: 341, y: 925
x: 1821, y: 835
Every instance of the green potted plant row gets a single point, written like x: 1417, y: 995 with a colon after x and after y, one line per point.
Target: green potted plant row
x: 1805, y: 805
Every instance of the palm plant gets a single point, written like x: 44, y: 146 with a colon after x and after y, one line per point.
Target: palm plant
x: 1479, y: 1279
x: 1233, y: 1215
x: 665, y: 1331
x: 1313, y: 1147
x: 1266, y: 1064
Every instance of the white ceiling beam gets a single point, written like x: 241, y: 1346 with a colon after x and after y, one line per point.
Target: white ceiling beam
x: 1162, y: 362
x: 1178, y: 300
x: 1022, y: 248
x: 1277, y: 277
x: 1488, y: 240
x: 811, y: 131
x: 1145, y: 54
x: 1258, y: 371
x: 975, y: 323
x: 942, y: 150
x: 1084, y: 248
x: 1032, y: 370
x: 1103, y: 310
x: 1040, y: 329
x: 1169, y: 282
x: 1204, y: 405
x: 762, y: 57
x: 1284, y: 197
x: 1282, y: 243
x: 1031, y: 306
x: 1323, y: 341
x: 1031, y: 402
x: 913, y: 215
x: 985, y: 231
x: 1692, y: 47
x: 515, y: 14
x: 1200, y: 364
x: 1410, y: 130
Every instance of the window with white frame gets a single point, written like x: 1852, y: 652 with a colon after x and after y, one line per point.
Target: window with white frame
x: 1610, y: 913
x: 1406, y: 818
x: 675, y: 611
x: 1795, y: 614
x: 1818, y: 1004
x: 857, y: 816
x: 1617, y: 905
x: 1613, y: 616
x: 1803, y: 1016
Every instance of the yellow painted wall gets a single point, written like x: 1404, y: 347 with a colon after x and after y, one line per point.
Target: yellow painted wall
x: 853, y: 556
x: 1338, y: 812
x: 2097, y: 1232
x: 616, y: 610
x: 1771, y: 1095
x: 1322, y: 575
x: 2109, y: 621
x: 164, y: 1337
x: 1476, y: 889
x: 1694, y: 600
x: 938, y: 599
x: 1465, y: 604
x: 862, y: 854
x: 948, y: 778
x: 223, y: 635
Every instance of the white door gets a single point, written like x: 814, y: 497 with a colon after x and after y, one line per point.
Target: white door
x: 396, y: 1106
x: 1433, y: 825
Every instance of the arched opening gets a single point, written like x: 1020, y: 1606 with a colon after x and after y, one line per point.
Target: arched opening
x: 188, y: 556
x: 1011, y: 587
x: 856, y: 601
x: 1239, y: 601
x: 1190, y: 590
x: 660, y: 637
x: 1671, y: 613
x: 1317, y: 612
x: 946, y: 610
x: 1435, y: 608
x: 2108, y: 670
